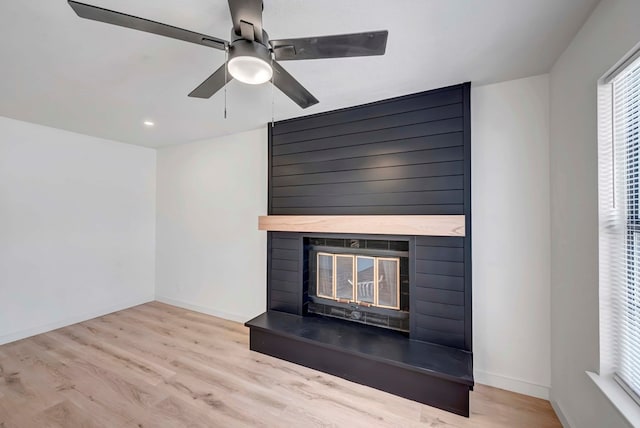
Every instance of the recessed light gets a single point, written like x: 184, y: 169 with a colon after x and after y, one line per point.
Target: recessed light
x: 148, y: 123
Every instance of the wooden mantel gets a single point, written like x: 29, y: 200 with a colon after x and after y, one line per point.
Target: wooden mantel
x: 426, y: 225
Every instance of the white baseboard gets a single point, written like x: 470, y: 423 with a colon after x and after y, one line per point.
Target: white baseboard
x: 84, y: 316
x: 512, y: 384
x: 561, y: 415
x: 202, y: 309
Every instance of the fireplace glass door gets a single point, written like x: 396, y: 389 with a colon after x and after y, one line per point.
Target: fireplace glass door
x: 344, y: 277
x: 388, y: 290
x: 366, y: 284
x: 366, y: 280
x: 325, y: 276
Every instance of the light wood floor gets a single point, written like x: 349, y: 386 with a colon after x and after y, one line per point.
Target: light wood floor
x: 160, y: 366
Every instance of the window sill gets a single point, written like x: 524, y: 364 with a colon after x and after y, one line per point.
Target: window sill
x: 618, y: 397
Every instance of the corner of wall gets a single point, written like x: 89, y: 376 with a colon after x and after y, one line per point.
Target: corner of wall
x: 84, y: 316
x: 512, y: 384
x: 241, y: 318
x: 510, y: 156
x: 209, y: 195
x: 564, y: 420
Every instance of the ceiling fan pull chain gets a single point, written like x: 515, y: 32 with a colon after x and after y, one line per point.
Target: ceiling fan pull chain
x: 226, y: 59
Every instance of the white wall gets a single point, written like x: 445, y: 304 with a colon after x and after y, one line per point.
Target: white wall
x: 77, y: 227
x: 609, y: 33
x: 210, y: 255
x: 510, y: 206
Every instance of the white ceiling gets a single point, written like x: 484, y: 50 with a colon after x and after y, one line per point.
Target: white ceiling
x: 97, y: 79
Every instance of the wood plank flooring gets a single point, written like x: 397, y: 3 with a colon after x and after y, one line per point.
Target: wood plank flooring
x: 156, y: 365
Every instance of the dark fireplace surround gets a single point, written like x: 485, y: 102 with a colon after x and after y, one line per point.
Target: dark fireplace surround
x: 415, y: 341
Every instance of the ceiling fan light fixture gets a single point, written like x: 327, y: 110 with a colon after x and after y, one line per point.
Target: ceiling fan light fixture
x: 250, y: 69
x: 249, y: 62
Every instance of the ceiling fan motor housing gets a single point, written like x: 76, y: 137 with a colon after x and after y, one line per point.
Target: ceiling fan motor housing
x: 243, y: 47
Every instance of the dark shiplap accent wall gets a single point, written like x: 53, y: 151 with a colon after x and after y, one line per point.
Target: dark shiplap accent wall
x: 400, y: 156
x: 438, y: 292
x: 407, y: 155
x: 284, y: 272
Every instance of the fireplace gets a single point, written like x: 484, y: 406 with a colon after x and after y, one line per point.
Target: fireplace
x: 329, y: 313
x: 369, y: 246
x: 359, y: 280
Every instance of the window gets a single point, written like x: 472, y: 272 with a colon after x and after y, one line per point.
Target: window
x: 619, y: 209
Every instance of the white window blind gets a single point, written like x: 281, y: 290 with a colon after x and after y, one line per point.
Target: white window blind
x: 619, y: 189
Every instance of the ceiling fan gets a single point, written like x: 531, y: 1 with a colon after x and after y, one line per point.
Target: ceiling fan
x: 252, y: 57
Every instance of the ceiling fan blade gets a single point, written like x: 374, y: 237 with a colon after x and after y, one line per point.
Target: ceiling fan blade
x: 338, y: 46
x: 212, y: 84
x: 116, y: 18
x: 249, y: 11
x: 291, y: 87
